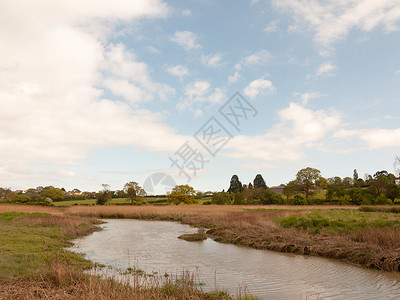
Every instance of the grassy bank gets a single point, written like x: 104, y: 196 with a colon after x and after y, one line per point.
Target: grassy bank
x: 370, y: 239
x: 34, y: 263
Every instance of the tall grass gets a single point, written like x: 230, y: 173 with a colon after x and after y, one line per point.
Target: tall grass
x: 28, y: 209
x: 61, y: 281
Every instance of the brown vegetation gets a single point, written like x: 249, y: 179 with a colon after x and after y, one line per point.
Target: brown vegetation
x: 64, y: 282
x: 373, y: 247
x: 29, y: 209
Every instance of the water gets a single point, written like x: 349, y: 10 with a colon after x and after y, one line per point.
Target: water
x: 154, y: 246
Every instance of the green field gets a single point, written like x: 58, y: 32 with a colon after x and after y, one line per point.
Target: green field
x: 119, y: 201
x: 29, y: 241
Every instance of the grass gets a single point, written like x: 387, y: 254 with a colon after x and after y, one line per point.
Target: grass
x: 339, y: 221
x: 378, y: 208
x: 34, y: 263
x: 28, y: 241
x: 119, y: 201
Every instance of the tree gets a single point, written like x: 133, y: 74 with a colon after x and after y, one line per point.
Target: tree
x: 221, y: 198
x: 55, y: 194
x: 103, y: 196
x: 235, y: 185
x: 392, y: 191
x: 306, y: 179
x: 259, y: 182
x: 290, y: 189
x: 182, y: 194
x: 355, y: 175
x: 378, y: 186
x: 134, y: 191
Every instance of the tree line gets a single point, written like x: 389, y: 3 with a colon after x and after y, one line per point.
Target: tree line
x: 381, y: 188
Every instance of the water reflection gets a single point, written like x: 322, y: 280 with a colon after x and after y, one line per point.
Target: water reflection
x: 154, y: 246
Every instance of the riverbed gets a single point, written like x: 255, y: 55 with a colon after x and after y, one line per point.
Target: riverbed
x: 153, y: 246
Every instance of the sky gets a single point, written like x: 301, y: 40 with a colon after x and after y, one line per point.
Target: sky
x: 191, y: 92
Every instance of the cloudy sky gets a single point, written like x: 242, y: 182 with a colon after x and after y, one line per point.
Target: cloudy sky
x: 96, y: 91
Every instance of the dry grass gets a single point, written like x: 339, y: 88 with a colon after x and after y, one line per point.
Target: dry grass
x: 71, y: 226
x: 385, y: 237
x: 29, y: 209
x: 64, y: 282
x: 135, y: 211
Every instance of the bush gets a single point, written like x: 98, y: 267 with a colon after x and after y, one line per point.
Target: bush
x: 381, y: 199
x: 221, y: 198
x: 299, y: 200
x: 272, y: 198
x: 103, y: 197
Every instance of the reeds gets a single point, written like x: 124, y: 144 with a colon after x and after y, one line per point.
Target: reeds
x: 66, y: 282
x: 29, y: 209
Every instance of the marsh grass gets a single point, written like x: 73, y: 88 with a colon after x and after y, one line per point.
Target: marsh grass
x: 28, y: 240
x: 61, y: 281
x: 339, y: 221
x: 34, y: 265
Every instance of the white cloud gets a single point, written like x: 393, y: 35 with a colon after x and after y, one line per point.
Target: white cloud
x: 154, y: 50
x: 325, y: 69
x: 129, y: 78
x: 332, y: 20
x: 306, y: 97
x: 375, y: 138
x: 298, y: 129
x: 217, y: 96
x: 397, y: 72
x: 186, y: 12
x: 197, y: 89
x: 381, y: 138
x: 252, y: 2
x: 259, y: 57
x: 259, y: 87
x: 271, y: 27
x: 233, y: 78
x: 186, y: 39
x: 52, y: 106
x: 200, y: 93
x: 178, y: 70
x: 212, y: 60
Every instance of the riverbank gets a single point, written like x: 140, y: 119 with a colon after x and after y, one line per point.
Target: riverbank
x: 369, y: 239
x: 35, y: 265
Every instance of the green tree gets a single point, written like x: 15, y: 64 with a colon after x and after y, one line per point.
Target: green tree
x: 378, y: 186
x: 134, y: 191
x: 290, y: 189
x: 307, y: 180
x: 103, y: 196
x: 235, y: 185
x: 182, y: 194
x: 53, y: 193
x: 12, y: 197
x: 355, y: 175
x: 392, y: 191
x: 221, y: 198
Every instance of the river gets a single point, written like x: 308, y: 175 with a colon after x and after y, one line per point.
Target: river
x: 154, y: 246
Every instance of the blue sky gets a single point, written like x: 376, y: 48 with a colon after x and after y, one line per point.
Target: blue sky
x: 97, y: 92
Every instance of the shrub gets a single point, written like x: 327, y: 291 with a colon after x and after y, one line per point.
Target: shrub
x: 299, y: 200
x: 221, y: 198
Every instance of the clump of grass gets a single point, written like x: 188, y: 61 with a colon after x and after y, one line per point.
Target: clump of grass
x: 387, y: 209
x: 194, y: 237
x: 339, y: 221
